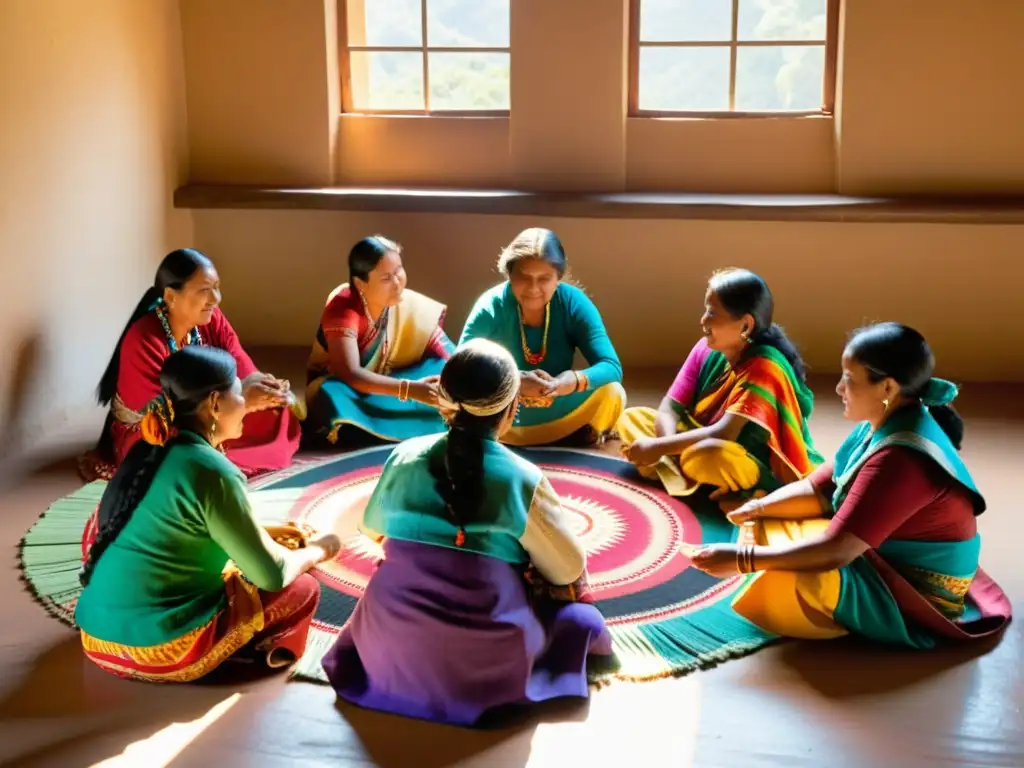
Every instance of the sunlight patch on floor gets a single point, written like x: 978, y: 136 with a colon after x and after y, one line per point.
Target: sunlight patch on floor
x: 652, y: 723
x: 158, y: 750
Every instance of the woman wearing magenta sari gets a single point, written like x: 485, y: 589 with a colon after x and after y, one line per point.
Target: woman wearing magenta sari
x: 882, y: 542
x: 181, y: 308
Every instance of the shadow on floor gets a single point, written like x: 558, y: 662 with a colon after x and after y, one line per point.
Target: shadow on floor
x: 852, y: 667
x: 503, y: 739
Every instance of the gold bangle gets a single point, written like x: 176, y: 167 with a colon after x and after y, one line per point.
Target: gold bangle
x: 745, y: 558
x: 403, y: 390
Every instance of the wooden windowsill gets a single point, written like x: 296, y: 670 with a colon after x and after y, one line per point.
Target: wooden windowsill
x: 620, y: 205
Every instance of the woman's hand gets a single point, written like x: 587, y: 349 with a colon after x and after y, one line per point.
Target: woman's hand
x: 425, y: 390
x: 717, y: 560
x: 263, y: 392
x: 644, y: 452
x: 563, y: 384
x: 329, y: 545
x: 749, y: 510
x: 534, y: 384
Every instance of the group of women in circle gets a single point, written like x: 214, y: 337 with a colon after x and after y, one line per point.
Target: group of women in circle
x: 481, y: 599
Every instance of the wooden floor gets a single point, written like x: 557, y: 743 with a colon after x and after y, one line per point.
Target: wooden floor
x: 833, y: 703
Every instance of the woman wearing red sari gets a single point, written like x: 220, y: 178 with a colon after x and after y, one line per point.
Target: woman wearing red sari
x: 180, y: 309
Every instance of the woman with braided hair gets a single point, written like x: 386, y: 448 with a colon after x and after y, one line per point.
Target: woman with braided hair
x: 158, y: 602
x: 449, y: 627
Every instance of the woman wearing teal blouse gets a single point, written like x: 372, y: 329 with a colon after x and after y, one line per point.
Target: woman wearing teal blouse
x: 160, y: 600
x: 481, y: 600
x: 543, y: 321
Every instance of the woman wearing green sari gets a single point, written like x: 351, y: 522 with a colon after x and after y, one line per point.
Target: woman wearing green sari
x: 883, y: 541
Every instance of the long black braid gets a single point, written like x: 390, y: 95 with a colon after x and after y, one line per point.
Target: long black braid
x: 176, y: 269
x: 477, y: 373
x: 188, y: 377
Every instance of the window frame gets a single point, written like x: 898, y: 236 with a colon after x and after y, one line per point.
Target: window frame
x: 344, y: 50
x: 829, y: 78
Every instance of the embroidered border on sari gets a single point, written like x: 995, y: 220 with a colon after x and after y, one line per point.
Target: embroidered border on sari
x: 196, y: 653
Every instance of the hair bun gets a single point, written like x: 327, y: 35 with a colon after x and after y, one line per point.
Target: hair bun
x: 157, y: 425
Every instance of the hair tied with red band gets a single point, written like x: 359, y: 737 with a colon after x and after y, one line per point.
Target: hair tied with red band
x: 157, y: 425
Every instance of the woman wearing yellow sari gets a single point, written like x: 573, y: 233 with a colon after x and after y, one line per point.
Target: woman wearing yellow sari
x: 736, y: 416
x: 378, y: 352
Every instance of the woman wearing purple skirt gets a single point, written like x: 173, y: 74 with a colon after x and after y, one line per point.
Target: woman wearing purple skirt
x: 480, y: 601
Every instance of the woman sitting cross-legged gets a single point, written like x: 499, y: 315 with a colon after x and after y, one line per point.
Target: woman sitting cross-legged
x: 736, y: 416
x: 377, y: 354
x: 481, y: 598
x: 543, y: 321
x: 882, y: 542
x: 182, y: 309
x: 158, y: 602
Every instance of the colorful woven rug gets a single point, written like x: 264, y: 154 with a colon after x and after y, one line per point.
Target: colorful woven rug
x: 666, y: 618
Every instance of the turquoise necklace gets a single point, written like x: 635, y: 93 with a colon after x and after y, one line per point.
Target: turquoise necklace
x: 193, y: 337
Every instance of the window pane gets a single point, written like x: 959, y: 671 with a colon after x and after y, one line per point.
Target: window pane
x: 383, y: 22
x: 468, y: 23
x: 685, y: 20
x: 469, y: 81
x: 386, y: 80
x: 780, y: 78
x: 684, y: 79
x: 782, y: 20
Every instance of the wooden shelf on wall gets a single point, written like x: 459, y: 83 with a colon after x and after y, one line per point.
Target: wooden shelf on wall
x: 619, y: 205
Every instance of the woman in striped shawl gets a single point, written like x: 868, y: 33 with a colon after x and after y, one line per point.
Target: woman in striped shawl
x: 735, y: 419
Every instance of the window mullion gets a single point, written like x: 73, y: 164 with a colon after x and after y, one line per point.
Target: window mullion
x: 732, y: 54
x: 426, y: 61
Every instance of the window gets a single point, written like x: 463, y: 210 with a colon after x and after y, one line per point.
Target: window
x: 732, y: 57
x: 426, y: 56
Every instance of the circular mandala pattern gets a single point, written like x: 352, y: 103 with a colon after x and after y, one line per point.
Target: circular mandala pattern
x: 631, y: 530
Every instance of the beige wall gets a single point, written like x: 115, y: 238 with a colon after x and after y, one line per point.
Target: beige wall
x: 648, y: 278
x: 92, y: 144
x: 928, y: 101
x: 94, y: 138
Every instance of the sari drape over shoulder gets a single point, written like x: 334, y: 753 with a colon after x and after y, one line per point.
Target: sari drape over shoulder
x: 909, y: 592
x: 407, y: 342
x: 269, y: 439
x: 773, y: 449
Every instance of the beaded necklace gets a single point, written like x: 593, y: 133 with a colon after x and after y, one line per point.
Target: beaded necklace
x: 535, y: 358
x: 192, y: 338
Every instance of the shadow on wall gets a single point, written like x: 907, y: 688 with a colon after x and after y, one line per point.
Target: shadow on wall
x: 23, y: 371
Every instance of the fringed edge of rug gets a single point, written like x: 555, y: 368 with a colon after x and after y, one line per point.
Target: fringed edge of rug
x: 310, y: 667
x: 644, y: 653
x: 50, y: 554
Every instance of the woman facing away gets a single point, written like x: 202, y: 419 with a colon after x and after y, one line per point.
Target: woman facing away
x: 181, y: 309
x: 378, y: 352
x: 449, y: 628
x: 882, y: 542
x: 736, y: 415
x: 542, y: 320
x: 158, y: 602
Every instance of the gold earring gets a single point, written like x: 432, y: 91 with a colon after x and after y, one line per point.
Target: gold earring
x: 885, y: 404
